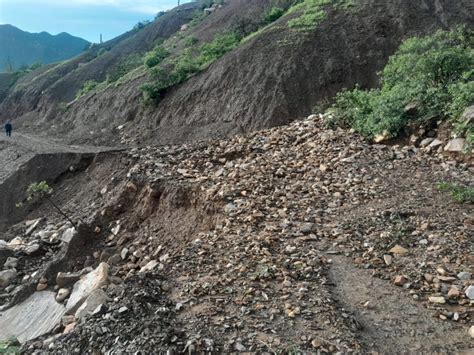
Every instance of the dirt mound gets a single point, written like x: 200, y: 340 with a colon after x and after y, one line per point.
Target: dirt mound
x: 277, y: 76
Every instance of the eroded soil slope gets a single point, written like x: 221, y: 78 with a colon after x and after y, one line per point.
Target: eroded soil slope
x: 274, y: 77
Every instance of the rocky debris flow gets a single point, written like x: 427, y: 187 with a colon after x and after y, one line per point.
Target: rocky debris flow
x: 286, y: 199
x: 36, y: 244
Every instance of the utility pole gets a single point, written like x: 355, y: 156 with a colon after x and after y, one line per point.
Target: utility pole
x: 178, y: 2
x: 101, y: 39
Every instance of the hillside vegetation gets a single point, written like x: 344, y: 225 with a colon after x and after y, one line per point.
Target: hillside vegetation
x: 211, y: 69
x: 433, y: 74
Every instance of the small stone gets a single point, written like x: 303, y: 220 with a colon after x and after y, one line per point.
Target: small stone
x: 6, y: 277
x: 455, y: 145
x: 454, y: 293
x: 428, y: 277
x: 66, y: 279
x: 114, y: 259
x: 99, y: 310
x: 470, y: 292
x: 425, y: 142
x: 436, y: 143
x: 68, y: 234
x: 62, y: 294
x: 471, y: 332
x: 31, y: 249
x: 123, y: 310
x: 400, y: 280
x: 464, y: 275
x: 41, y: 287
x: 437, y: 299
x: 150, y: 266
x: 69, y: 328
x: 11, y: 263
x: 124, y: 253
x: 307, y: 228
x: 316, y: 343
x: 399, y: 250
x: 388, y: 259
x: 240, y: 347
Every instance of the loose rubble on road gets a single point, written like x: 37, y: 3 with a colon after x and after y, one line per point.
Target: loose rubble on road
x: 227, y: 246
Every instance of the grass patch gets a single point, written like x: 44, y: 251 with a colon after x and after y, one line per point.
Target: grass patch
x: 314, y: 12
x: 434, y: 72
x: 192, y: 60
x: 11, y: 346
x: 459, y: 193
x: 88, y: 86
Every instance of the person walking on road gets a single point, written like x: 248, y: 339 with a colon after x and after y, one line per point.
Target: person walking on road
x: 8, y: 129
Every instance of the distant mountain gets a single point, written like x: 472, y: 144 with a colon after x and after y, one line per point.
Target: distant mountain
x: 20, y: 48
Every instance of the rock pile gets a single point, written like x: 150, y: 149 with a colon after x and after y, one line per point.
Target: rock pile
x: 287, y: 199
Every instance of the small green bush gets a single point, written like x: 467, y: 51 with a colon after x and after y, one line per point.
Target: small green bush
x: 274, y: 14
x: 156, y: 56
x: 312, y: 15
x: 190, y: 62
x: 458, y: 192
x: 435, y: 72
x: 191, y: 41
x: 88, y: 86
x: 11, y: 346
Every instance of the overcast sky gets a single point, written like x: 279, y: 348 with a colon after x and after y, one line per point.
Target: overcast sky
x: 83, y: 18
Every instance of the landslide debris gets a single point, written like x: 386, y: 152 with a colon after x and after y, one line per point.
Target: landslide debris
x: 230, y: 245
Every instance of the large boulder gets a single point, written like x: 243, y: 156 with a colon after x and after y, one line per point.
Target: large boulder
x: 86, y: 285
x: 35, y: 316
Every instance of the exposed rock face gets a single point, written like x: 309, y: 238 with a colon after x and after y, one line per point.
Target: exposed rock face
x: 36, y: 316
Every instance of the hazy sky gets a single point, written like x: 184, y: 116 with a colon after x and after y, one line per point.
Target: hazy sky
x: 83, y: 18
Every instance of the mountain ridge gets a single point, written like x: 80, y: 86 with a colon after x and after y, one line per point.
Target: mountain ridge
x: 21, y: 48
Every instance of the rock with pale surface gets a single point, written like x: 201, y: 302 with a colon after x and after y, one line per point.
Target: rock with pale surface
x: 86, y: 285
x: 6, y: 277
x: 455, y: 145
x: 95, y: 299
x: 65, y: 279
x: 399, y: 250
x: 37, y: 315
x: 470, y: 292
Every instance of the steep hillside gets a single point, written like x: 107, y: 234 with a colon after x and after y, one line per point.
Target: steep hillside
x: 275, y: 75
x: 19, y: 48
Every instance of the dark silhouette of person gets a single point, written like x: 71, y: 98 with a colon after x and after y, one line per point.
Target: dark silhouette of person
x: 8, y: 129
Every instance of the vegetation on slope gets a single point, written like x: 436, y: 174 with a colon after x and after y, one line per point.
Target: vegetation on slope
x: 434, y: 74
x: 459, y: 193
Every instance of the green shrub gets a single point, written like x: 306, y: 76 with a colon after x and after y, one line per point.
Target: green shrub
x: 312, y: 15
x: 156, y: 56
x: 191, y: 41
x: 88, y: 86
x: 458, y: 192
x: 435, y: 72
x: 274, y: 14
x: 11, y: 346
x: 190, y: 62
